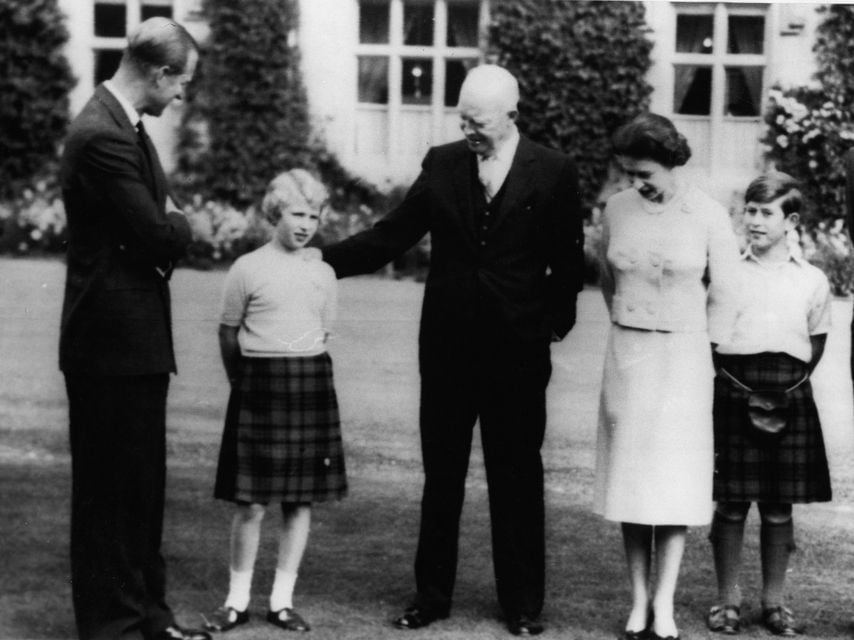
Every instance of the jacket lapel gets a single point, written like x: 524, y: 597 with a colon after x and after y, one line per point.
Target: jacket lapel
x: 519, y: 179
x: 463, y: 189
x: 154, y: 176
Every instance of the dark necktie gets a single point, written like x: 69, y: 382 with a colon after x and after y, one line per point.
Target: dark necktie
x: 144, y: 141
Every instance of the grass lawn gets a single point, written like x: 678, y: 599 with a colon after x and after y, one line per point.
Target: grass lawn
x: 358, y: 569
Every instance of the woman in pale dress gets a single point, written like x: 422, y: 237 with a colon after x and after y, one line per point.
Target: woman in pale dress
x: 669, y: 254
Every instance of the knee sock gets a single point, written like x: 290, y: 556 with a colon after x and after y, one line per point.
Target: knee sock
x: 777, y: 542
x: 727, y: 537
x: 239, y: 587
x: 283, y: 590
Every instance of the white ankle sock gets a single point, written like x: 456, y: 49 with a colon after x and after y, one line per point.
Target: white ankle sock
x: 239, y: 589
x: 283, y: 590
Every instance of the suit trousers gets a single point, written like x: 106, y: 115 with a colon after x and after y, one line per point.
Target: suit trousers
x: 500, y: 380
x: 118, y: 469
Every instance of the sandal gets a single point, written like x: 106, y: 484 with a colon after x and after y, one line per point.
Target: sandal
x: 288, y: 619
x: 780, y: 621
x: 724, y: 619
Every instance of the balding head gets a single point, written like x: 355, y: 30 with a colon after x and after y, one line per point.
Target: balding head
x: 159, y: 42
x: 488, y: 108
x: 489, y: 83
x: 158, y: 63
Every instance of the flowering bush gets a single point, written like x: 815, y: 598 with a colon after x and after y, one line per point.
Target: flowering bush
x: 828, y: 247
x: 34, y: 221
x: 806, y: 135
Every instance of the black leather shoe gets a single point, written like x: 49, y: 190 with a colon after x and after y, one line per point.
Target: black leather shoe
x: 225, y: 619
x: 415, y: 618
x: 174, y: 632
x: 522, y: 625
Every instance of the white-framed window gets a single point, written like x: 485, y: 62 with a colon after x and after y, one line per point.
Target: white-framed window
x: 719, y: 62
x: 113, y: 20
x: 411, y: 58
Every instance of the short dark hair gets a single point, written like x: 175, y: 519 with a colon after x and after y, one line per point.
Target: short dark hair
x: 160, y: 42
x: 773, y: 185
x: 650, y: 136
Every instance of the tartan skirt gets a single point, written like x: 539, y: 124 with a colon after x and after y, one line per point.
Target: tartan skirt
x: 282, y: 435
x: 791, y: 468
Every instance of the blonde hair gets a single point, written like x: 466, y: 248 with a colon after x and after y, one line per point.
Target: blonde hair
x: 294, y: 188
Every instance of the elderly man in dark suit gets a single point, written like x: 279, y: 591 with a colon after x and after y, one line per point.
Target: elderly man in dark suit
x: 116, y: 339
x: 506, y: 267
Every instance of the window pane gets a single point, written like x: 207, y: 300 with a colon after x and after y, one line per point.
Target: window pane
x: 373, y: 79
x: 463, y: 20
x: 694, y: 33
x: 373, y: 22
x: 746, y: 34
x: 418, y: 23
x: 692, y: 90
x: 106, y: 63
x: 150, y: 11
x: 455, y: 73
x: 743, y: 91
x: 110, y: 20
x: 417, y: 81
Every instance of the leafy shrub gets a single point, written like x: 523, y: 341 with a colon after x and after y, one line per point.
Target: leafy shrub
x: 581, y: 68
x: 34, y: 86
x: 806, y: 135
x: 33, y: 222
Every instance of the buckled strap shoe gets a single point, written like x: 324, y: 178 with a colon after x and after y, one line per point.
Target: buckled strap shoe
x: 288, y: 619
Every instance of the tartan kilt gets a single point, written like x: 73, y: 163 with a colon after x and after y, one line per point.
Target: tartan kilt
x: 791, y: 468
x: 282, y: 436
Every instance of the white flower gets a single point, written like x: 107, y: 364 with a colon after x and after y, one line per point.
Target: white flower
x: 782, y: 141
x: 812, y: 164
x: 36, y: 234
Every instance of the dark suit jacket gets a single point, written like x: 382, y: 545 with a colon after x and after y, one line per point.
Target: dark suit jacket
x: 528, y: 267
x: 121, y: 245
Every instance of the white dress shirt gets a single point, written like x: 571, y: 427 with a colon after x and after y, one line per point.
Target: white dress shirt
x: 493, y: 169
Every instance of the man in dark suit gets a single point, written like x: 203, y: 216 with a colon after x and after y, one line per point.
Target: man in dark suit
x: 116, y: 340
x: 506, y: 266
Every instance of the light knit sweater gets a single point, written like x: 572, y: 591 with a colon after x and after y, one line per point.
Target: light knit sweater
x: 283, y: 303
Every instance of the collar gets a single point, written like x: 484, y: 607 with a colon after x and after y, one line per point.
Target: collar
x: 748, y: 256
x: 127, y: 107
x: 506, y: 151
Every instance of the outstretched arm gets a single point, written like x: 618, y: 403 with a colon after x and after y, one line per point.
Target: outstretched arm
x: 389, y: 238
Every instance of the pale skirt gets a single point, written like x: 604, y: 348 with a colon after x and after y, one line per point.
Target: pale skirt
x: 655, y: 451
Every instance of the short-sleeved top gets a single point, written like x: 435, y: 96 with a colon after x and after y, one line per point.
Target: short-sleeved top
x: 669, y: 267
x: 283, y: 303
x: 781, y: 305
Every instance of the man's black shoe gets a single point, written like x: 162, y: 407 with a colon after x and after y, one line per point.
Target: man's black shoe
x: 174, y: 632
x: 522, y: 625
x: 416, y: 617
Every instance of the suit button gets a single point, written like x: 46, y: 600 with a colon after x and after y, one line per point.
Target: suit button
x: 121, y: 247
x: 483, y: 243
x: 486, y: 213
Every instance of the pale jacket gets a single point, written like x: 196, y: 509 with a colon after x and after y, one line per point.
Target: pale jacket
x: 670, y: 267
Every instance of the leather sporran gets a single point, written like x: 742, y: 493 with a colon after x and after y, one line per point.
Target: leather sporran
x: 768, y: 411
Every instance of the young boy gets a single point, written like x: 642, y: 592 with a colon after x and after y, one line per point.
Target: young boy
x: 778, y: 339
x: 282, y: 438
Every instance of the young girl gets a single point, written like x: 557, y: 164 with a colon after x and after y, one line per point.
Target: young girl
x: 778, y: 339
x: 282, y: 439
